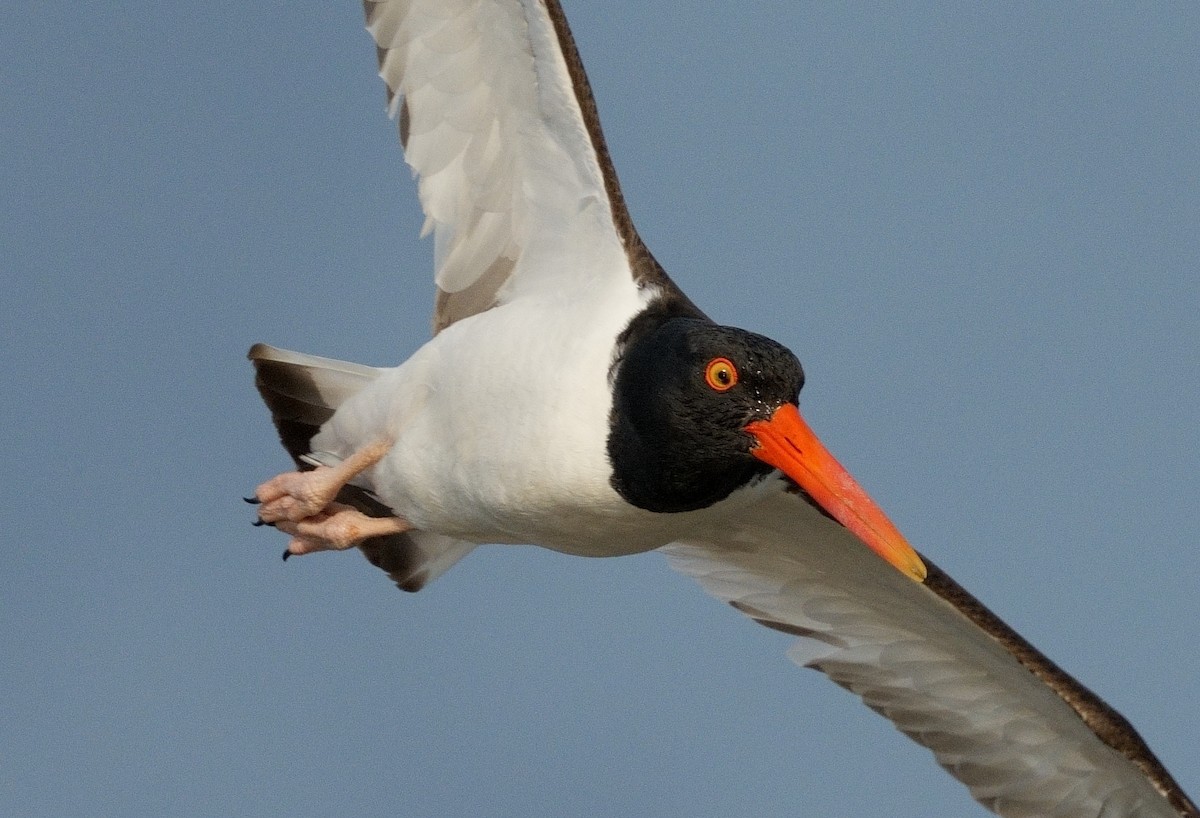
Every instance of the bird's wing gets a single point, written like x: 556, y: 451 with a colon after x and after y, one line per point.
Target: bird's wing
x: 498, y: 123
x: 1022, y: 735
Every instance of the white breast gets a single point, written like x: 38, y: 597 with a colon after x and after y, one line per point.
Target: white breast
x: 531, y: 468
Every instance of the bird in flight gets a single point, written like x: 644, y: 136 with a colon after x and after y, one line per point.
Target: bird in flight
x: 573, y: 397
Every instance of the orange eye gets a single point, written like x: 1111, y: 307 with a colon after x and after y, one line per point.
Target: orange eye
x: 721, y: 374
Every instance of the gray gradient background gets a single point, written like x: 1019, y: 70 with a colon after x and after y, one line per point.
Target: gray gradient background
x: 977, y: 228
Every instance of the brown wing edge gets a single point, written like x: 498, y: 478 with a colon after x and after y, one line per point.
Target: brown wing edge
x: 646, y: 269
x: 1109, y: 726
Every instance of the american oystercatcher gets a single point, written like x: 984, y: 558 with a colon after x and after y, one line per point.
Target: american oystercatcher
x: 573, y: 397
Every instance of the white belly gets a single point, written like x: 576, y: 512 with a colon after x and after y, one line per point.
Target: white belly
x: 501, y: 425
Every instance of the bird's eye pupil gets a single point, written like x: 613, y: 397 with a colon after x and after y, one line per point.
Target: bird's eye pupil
x: 720, y: 374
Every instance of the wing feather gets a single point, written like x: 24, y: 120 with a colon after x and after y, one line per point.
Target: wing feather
x: 499, y: 126
x: 1025, y: 737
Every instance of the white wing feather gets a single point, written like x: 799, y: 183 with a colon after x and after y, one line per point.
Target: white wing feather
x: 914, y: 658
x: 509, y: 178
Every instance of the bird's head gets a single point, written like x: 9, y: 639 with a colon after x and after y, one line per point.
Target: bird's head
x: 701, y: 410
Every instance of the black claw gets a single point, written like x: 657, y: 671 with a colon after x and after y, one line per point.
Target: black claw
x: 252, y: 500
x: 259, y: 522
x: 286, y: 554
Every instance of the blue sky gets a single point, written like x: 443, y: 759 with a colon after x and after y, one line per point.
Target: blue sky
x: 977, y: 227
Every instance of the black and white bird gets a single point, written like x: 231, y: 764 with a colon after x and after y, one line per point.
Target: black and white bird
x: 573, y: 397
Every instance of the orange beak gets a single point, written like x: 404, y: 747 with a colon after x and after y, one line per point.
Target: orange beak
x: 787, y: 443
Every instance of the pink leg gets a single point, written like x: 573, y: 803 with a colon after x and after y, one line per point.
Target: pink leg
x: 302, y: 504
x: 295, y: 496
x: 336, y: 528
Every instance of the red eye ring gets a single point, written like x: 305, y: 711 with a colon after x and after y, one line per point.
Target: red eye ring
x: 720, y: 374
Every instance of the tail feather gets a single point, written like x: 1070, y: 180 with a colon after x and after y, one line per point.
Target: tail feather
x: 302, y: 392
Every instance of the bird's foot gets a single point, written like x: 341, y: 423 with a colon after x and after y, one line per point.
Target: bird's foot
x: 336, y: 528
x: 297, y: 496
x: 301, y: 503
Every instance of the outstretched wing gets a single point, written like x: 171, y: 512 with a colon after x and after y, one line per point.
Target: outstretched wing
x: 498, y: 122
x: 1025, y: 737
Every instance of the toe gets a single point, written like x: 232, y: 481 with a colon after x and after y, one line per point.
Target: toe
x: 299, y: 546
